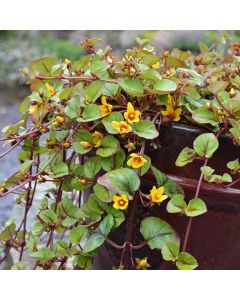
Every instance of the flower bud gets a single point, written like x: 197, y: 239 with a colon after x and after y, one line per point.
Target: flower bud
x: 232, y: 92
x: 165, y: 54
x: 85, y: 144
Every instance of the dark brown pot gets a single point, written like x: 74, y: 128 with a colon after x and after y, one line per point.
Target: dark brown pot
x: 215, y: 236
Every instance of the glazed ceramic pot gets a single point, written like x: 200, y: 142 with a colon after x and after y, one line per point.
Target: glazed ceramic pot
x: 215, y: 236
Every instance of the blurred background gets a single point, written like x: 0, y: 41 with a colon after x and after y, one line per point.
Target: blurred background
x: 18, y: 48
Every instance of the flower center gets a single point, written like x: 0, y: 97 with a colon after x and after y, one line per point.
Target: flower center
x: 131, y: 116
x: 121, y: 202
x: 123, y: 127
x: 137, y: 159
x: 157, y: 196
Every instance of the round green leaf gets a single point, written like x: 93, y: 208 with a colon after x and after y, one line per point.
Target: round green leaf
x: 157, y: 232
x: 205, y: 116
x: 110, y: 145
x: 92, y: 166
x: 185, y: 156
x: 77, y: 234
x: 205, y: 144
x: 170, y: 251
x: 165, y: 86
x: 146, y: 129
x: 186, y: 261
x: 121, y: 181
x: 196, y: 207
x: 176, y: 204
x: 131, y: 86
x: 48, y: 216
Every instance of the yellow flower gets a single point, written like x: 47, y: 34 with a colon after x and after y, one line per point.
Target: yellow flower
x: 131, y: 115
x: 97, y: 139
x: 136, y: 161
x: 174, y: 114
x: 156, y: 194
x: 120, y: 202
x: 142, y: 263
x: 121, y: 127
x: 156, y: 65
x: 33, y: 109
x: 105, y: 108
x: 50, y: 89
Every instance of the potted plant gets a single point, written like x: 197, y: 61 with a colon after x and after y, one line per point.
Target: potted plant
x: 139, y: 156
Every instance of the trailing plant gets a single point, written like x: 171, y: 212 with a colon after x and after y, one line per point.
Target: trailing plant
x: 84, y: 136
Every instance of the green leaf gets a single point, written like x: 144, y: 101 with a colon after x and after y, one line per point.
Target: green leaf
x: 60, y: 169
x: 185, y: 156
x: 7, y: 232
x: 68, y: 207
x: 62, y: 248
x: 73, y: 108
x: 196, y: 207
x: 146, y: 166
x: 176, y: 204
x: 19, y: 266
x: 77, y: 234
x: 165, y: 86
x: 110, y: 89
x: 105, y: 226
x: 217, y: 86
x: 92, y: 166
x: 121, y: 181
x: 99, y: 66
x: 42, y: 66
x: 107, y: 121
x: 186, y: 261
x: 131, y: 86
x: 170, y: 251
x: 234, y: 165
x: 37, y: 229
x: 26, y: 166
x: 205, y: 144
x: 24, y: 105
x: 151, y: 74
x: 93, y: 90
x: 49, y: 217
x: 207, y: 172
x: 110, y: 145
x: 113, y: 162
x: 145, y: 129
x: 33, y: 243
x: 91, y: 113
x: 43, y: 255
x: 172, y: 188
x: 95, y: 241
x: 157, y: 232
x: 160, y: 177
x: 103, y: 193
x: 203, y: 115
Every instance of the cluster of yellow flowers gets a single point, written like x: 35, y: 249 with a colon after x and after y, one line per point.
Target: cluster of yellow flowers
x: 156, y: 196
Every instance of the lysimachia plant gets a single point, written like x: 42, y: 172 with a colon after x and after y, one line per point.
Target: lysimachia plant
x: 84, y: 135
